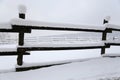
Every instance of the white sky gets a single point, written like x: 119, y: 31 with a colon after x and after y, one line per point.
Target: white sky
x: 63, y: 11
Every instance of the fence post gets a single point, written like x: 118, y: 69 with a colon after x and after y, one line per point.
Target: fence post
x: 21, y: 38
x: 20, y: 56
x: 104, y: 34
x: 22, y: 11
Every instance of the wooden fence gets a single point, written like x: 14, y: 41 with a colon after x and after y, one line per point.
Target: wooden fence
x: 22, y: 26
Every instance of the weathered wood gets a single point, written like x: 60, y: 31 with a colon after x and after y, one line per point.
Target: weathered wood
x: 102, y: 51
x: 21, y: 33
x: 20, y: 59
x: 21, y: 41
x: 105, y: 21
x: 61, y: 29
x: 21, y: 38
x: 12, y: 53
x: 104, y: 35
x: 21, y: 28
x: 7, y: 30
x: 113, y: 29
x: 20, y: 56
x: 116, y: 44
x: 22, y: 15
x: 59, y: 48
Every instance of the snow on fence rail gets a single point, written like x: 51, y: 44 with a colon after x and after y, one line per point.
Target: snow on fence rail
x: 55, y: 26
x: 22, y: 26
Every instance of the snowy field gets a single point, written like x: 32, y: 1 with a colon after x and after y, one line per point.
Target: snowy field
x: 102, y: 68
x: 80, y: 68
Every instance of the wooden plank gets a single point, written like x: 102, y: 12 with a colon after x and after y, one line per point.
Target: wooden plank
x: 8, y: 30
x: 116, y: 44
x: 65, y: 29
x: 27, y: 29
x: 58, y: 48
x: 113, y: 29
x: 12, y: 53
x: 21, y: 28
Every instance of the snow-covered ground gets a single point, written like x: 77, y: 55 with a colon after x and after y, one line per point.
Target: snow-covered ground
x: 92, y: 69
x: 44, y: 57
x: 102, y: 68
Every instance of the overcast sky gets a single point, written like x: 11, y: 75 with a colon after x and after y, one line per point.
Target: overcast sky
x: 63, y: 11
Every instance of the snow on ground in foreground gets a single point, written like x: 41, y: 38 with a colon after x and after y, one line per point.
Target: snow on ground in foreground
x: 9, y: 62
x: 94, y: 69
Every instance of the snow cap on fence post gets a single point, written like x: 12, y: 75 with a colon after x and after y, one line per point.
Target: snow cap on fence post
x: 22, y: 11
x: 106, y: 19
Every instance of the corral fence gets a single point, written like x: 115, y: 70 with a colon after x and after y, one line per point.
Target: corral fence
x: 22, y: 26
